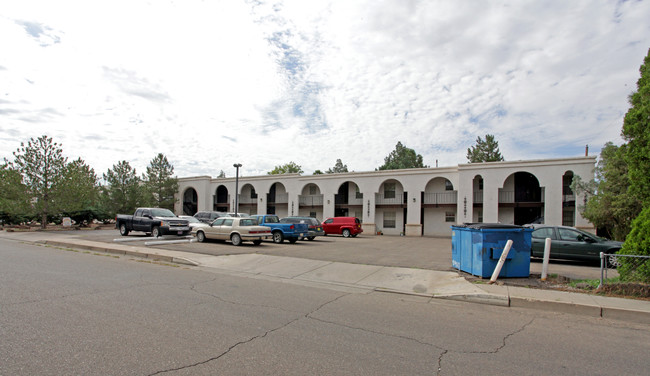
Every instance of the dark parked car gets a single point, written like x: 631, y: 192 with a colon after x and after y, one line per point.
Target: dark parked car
x: 208, y: 216
x: 571, y: 243
x: 315, y: 227
x: 153, y: 221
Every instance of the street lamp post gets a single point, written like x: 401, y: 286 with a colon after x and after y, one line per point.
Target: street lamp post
x: 237, y: 166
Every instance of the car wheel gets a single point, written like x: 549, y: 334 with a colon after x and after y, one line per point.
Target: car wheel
x: 346, y: 233
x: 235, y: 239
x: 611, y: 264
x: 123, y: 230
x: 293, y: 240
x: 200, y: 236
x: 278, y: 237
x: 311, y: 237
x: 257, y: 242
x: 155, y: 232
x: 354, y: 235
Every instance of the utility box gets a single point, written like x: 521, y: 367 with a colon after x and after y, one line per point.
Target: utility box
x: 477, y: 247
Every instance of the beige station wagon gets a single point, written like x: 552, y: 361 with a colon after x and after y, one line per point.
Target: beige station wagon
x: 235, y: 229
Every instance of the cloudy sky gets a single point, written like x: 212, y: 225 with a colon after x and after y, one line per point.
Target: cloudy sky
x: 212, y: 83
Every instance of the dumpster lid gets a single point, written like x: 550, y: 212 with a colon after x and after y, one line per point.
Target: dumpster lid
x: 479, y: 226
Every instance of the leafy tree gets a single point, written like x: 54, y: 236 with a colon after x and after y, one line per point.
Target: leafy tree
x: 41, y: 164
x: 637, y: 243
x: 289, y: 168
x: 338, y: 168
x: 123, y: 192
x: 78, y: 192
x: 221, y: 174
x: 636, y: 131
x: 484, y: 151
x: 318, y: 172
x: 160, y: 183
x: 401, y: 158
x: 609, y: 206
x: 14, y: 198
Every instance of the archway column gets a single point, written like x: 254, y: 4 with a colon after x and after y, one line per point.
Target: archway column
x: 413, y: 225
x: 369, y: 226
x: 328, y: 205
x: 553, y: 204
x: 490, y: 201
x: 293, y: 204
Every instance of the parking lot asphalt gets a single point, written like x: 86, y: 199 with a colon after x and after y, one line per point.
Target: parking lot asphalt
x: 431, y: 253
x: 406, y: 265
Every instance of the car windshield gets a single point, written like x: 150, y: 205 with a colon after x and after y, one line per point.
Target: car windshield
x: 191, y: 219
x: 247, y: 222
x: 272, y: 219
x: 162, y: 213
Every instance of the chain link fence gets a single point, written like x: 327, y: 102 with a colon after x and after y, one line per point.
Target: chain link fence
x: 631, y: 268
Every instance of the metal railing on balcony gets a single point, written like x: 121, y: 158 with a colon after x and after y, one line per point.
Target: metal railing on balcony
x: 511, y: 197
x: 391, y: 199
x: 478, y: 197
x: 220, y: 199
x: 247, y: 199
x: 569, y: 198
x: 310, y: 200
x: 348, y: 200
x: 280, y: 198
x: 441, y: 198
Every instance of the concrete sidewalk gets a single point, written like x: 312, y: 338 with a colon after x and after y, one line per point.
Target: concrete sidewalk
x: 421, y: 282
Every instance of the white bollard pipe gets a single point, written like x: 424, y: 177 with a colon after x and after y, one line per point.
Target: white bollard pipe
x: 547, y: 255
x: 502, y: 260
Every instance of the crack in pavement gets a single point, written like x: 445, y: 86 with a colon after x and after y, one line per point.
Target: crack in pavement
x: 440, y: 361
x: 193, y: 289
x: 248, y: 340
x: 484, y: 352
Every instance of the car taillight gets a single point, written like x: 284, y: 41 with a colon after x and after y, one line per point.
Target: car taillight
x: 292, y: 227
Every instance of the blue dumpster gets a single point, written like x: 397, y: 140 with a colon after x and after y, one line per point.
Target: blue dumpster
x: 477, y: 247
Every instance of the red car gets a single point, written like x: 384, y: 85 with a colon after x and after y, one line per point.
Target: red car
x: 346, y: 226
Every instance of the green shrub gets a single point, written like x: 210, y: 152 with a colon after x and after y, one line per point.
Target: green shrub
x: 637, y: 243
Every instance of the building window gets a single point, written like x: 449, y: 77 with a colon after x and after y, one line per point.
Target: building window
x: 313, y: 190
x: 480, y: 215
x: 568, y: 215
x: 389, y: 190
x: 312, y: 214
x: 389, y: 219
x: 450, y: 216
x: 359, y: 195
x: 359, y: 214
x: 253, y: 194
x: 448, y: 186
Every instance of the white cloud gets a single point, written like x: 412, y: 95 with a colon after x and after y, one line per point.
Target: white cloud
x: 213, y: 83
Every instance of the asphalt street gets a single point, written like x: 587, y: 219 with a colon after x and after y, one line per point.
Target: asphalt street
x: 81, y: 312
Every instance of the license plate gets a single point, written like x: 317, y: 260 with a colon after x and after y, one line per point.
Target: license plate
x: 180, y: 233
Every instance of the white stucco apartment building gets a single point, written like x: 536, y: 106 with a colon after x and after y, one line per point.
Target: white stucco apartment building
x: 413, y: 202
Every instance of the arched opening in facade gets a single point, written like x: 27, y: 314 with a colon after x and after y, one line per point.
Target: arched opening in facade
x: 190, y: 201
x: 568, y: 200
x: 477, y: 198
x: 521, y: 200
x: 248, y: 199
x: 277, y: 200
x: 439, y: 205
x: 310, y: 201
x: 348, y: 201
x: 221, y: 199
x: 390, y: 207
